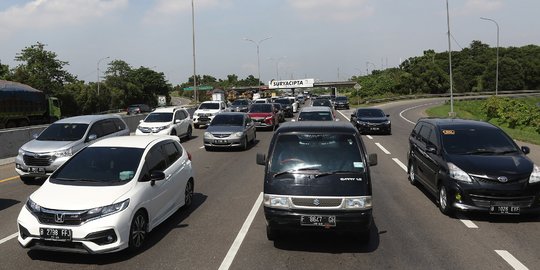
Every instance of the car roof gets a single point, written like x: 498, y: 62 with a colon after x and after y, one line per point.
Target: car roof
x: 131, y: 141
x: 231, y: 113
x: 86, y: 119
x: 452, y: 123
x: 317, y: 126
x: 167, y: 109
x: 315, y: 109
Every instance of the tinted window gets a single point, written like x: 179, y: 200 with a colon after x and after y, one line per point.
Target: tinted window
x: 171, y: 152
x: 211, y: 106
x: 283, y: 101
x: 155, y: 160
x: 476, y: 141
x: 63, y: 132
x: 323, y: 152
x: 370, y: 113
x: 341, y: 98
x: 120, y: 125
x: 255, y: 108
x: 108, y: 127
x: 425, y: 132
x: 240, y: 102
x: 322, y: 102
x: 159, y: 117
x: 227, y: 120
x: 315, y: 116
x: 100, y: 166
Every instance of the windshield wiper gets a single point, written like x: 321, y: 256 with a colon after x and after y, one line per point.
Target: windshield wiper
x: 480, y: 152
x: 506, y: 152
x: 299, y: 170
x: 335, y: 172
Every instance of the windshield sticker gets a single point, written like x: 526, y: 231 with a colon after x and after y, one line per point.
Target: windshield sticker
x: 126, y: 175
x: 449, y: 132
x: 350, y: 141
x: 358, y: 164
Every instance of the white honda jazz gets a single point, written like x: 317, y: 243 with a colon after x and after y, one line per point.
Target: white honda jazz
x: 108, y: 196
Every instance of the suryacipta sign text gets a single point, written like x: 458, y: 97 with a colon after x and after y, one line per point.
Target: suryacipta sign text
x: 291, y: 84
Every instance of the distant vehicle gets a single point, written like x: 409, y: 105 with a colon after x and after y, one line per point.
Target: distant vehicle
x: 371, y: 120
x: 473, y: 166
x: 341, y: 102
x: 174, y: 121
x: 316, y: 113
x: 230, y: 129
x: 280, y: 112
x: 262, y: 100
x: 322, y: 102
x: 109, y: 196
x: 62, y: 139
x: 22, y: 105
x: 206, y: 112
x: 138, y: 108
x: 295, y: 105
x: 240, y: 105
x: 301, y: 99
x: 264, y: 115
x: 317, y: 178
x: 287, y: 106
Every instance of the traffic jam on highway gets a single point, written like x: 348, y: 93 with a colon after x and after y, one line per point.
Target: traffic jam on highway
x: 92, y: 188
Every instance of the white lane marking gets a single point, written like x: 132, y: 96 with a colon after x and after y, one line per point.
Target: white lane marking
x: 8, y: 238
x: 382, y: 148
x: 400, y: 164
x: 369, y: 137
x: 348, y: 119
x: 241, y: 235
x: 511, y: 260
x: 469, y: 224
x: 414, y: 107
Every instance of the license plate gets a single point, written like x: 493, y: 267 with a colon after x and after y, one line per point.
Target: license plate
x: 221, y: 142
x: 204, y: 119
x: 503, y: 208
x: 36, y: 170
x: 374, y: 128
x: 323, y: 221
x: 55, y: 234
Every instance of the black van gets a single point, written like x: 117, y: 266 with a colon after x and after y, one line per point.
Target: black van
x: 317, y: 177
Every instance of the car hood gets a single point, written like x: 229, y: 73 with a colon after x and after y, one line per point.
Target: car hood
x: 299, y: 184
x: 259, y: 115
x: 69, y: 197
x: 224, y: 129
x: 36, y: 146
x: 511, y: 166
x: 373, y: 119
x: 153, y: 124
x: 206, y: 111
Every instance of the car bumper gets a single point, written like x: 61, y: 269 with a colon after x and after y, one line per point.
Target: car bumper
x: 31, y: 170
x: 375, y: 128
x: 222, y: 142
x: 103, y: 235
x: 341, y: 106
x: 198, y: 120
x: 347, y: 221
x: 161, y: 132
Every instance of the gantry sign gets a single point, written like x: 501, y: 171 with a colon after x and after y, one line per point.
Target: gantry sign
x: 288, y: 84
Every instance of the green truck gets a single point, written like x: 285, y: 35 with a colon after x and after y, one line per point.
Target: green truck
x: 22, y: 105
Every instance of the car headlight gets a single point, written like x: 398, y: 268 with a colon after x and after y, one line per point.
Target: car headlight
x: 21, y: 152
x: 64, y: 153
x: 535, y: 175
x: 361, y: 123
x: 458, y: 174
x: 104, y: 211
x: 208, y: 135
x: 163, y: 127
x: 363, y: 202
x: 275, y: 201
x: 141, y: 128
x: 32, y: 206
x: 387, y: 122
x: 238, y: 134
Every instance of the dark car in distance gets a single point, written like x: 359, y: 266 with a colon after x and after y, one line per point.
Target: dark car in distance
x: 138, y: 108
x: 371, y: 120
x: 341, y: 102
x: 240, y: 105
x: 317, y: 177
x: 323, y: 102
x: 287, y: 106
x: 473, y: 166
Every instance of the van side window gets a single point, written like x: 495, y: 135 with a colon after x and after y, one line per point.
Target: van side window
x: 120, y: 125
x: 97, y: 130
x: 108, y: 127
x: 171, y: 152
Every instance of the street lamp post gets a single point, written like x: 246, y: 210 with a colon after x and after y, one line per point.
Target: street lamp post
x: 497, y: 72
x: 98, y: 73
x: 258, y: 59
x: 194, y: 63
x: 450, y: 62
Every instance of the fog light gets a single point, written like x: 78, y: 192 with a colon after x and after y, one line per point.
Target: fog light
x: 458, y: 197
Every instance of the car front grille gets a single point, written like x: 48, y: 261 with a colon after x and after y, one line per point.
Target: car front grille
x: 316, y: 202
x: 485, y: 201
x: 497, y: 182
x: 222, y: 135
x: 38, y: 160
x: 56, y: 217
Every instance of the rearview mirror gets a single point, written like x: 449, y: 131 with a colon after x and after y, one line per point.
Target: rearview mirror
x: 526, y: 150
x: 92, y: 137
x: 372, y: 159
x: 261, y: 159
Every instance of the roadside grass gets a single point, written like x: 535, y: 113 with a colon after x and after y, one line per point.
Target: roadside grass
x: 472, y: 109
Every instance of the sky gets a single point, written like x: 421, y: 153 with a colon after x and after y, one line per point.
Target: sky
x: 327, y: 40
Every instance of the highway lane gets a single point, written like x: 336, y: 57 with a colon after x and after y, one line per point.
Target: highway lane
x: 410, y: 232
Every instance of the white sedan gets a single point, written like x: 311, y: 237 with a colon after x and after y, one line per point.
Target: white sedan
x: 108, y: 196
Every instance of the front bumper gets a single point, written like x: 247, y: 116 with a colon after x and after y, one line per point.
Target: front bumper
x: 202, y: 120
x: 346, y: 221
x: 373, y: 128
x: 42, y: 166
x: 166, y: 131
x: 341, y: 106
x: 223, y: 142
x: 103, y: 235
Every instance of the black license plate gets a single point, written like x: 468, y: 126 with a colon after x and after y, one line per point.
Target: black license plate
x: 221, y: 142
x: 315, y: 220
x: 55, y: 234
x: 204, y: 119
x: 503, y: 208
x: 36, y: 170
x: 374, y: 128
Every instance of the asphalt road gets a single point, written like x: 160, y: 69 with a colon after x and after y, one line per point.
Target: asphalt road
x: 225, y: 227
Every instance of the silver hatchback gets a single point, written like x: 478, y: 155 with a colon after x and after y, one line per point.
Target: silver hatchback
x: 41, y: 156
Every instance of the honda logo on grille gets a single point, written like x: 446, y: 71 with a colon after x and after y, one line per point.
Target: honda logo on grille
x: 502, y: 179
x: 59, y: 218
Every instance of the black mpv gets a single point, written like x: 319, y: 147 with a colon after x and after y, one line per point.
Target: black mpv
x: 473, y: 166
x: 317, y: 177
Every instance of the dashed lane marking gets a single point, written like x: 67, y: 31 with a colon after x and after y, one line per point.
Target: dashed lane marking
x: 369, y: 137
x: 5, y: 239
x: 9, y: 179
x: 382, y: 148
x: 511, y: 260
x: 469, y: 224
x: 398, y: 162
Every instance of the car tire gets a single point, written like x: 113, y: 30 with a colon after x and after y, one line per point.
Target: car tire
x: 271, y: 233
x: 27, y: 179
x: 189, y: 133
x: 188, y: 193
x: 444, y: 201
x: 208, y: 148
x: 254, y: 137
x: 244, y: 144
x: 138, y: 231
x: 412, y: 173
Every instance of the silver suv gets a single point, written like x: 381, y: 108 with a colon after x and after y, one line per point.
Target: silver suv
x: 41, y: 156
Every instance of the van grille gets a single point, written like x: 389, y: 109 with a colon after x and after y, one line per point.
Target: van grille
x: 317, y: 202
x: 38, y: 160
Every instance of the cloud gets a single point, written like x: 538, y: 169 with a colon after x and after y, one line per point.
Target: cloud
x: 333, y: 10
x: 480, y: 6
x: 42, y: 14
x: 166, y: 9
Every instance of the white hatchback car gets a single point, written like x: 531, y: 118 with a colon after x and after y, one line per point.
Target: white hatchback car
x: 174, y: 121
x: 108, y: 196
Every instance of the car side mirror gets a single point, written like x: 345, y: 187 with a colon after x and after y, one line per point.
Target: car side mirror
x: 525, y: 149
x: 156, y: 176
x: 372, y: 159
x: 353, y: 115
x: 92, y: 137
x: 177, y: 121
x: 261, y: 159
x: 35, y: 135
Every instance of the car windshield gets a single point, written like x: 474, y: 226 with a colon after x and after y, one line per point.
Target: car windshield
x: 476, y: 141
x: 283, y: 101
x: 257, y: 108
x: 322, y: 102
x: 341, y: 98
x: 63, y: 132
x: 209, y: 106
x: 317, y: 151
x: 370, y: 113
x: 228, y: 120
x: 240, y: 102
x: 158, y: 117
x: 100, y: 166
x: 315, y: 116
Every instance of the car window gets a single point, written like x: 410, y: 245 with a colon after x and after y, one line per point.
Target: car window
x: 370, y: 113
x: 157, y: 117
x: 177, y: 115
x: 99, y: 166
x: 120, y: 125
x: 227, y: 120
x: 323, y: 152
x: 315, y: 116
x: 171, y: 152
x: 63, y: 132
x: 209, y: 105
x: 416, y: 130
x: 108, y: 127
x: 155, y: 160
x: 261, y: 108
x: 476, y: 141
x: 424, y: 133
